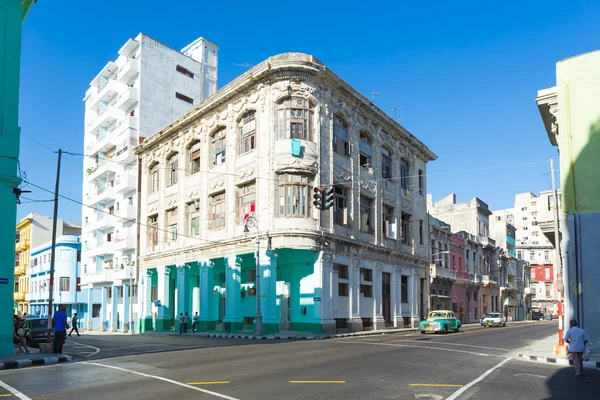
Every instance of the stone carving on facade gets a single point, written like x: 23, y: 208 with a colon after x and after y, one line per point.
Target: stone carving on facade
x: 152, y: 208
x: 388, y: 196
x: 355, y: 261
x: 327, y: 258
x: 216, y: 183
x: 341, y: 175
x: 192, y: 194
x: 296, y: 164
x: 246, y: 173
x: 378, y: 266
x: 367, y: 187
x: 171, y: 200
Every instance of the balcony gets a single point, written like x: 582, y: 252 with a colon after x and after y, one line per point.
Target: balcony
x: 105, y: 167
x: 489, y: 280
x: 463, y: 276
x: 102, y: 143
x: 20, y: 270
x: 511, y: 285
x: 128, y: 70
x: 125, y: 243
x: 487, y: 241
x: 106, y: 92
x: 19, y: 296
x: 106, y: 275
x: 101, y: 196
x: 529, y: 290
x: 104, y: 249
x: 510, y: 302
x: 125, y: 153
x: 123, y: 273
x: 104, y: 118
x: 127, y: 213
x: 127, y: 99
x: 437, y: 271
x: 476, y: 278
x: 125, y: 183
x: 103, y: 221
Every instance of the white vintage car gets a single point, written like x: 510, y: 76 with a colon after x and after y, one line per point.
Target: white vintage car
x: 493, y: 319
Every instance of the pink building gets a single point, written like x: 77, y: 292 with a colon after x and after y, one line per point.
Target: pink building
x: 465, y: 290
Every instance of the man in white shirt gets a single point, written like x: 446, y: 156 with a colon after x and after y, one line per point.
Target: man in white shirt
x: 577, y: 339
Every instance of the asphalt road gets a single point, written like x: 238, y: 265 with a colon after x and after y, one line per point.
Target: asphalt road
x: 475, y: 363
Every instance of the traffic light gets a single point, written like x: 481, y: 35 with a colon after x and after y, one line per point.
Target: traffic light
x: 318, y: 196
x: 328, y: 198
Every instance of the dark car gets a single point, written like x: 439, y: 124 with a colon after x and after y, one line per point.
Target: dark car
x: 537, y: 316
x: 34, y: 330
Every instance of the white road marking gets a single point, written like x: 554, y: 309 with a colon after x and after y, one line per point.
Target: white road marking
x: 426, y: 347
x: 458, y: 344
x: 82, y: 345
x: 482, y: 377
x: 162, y: 379
x: 14, y: 391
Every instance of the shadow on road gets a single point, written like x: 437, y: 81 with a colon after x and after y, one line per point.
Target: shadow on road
x: 564, y: 385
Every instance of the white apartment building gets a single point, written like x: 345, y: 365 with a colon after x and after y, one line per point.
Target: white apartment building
x: 259, y: 147
x: 67, y: 290
x: 531, y: 213
x: 145, y: 88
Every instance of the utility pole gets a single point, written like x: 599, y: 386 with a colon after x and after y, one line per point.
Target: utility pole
x: 558, y: 269
x: 53, y: 251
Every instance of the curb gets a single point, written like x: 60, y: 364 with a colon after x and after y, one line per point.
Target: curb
x: 558, y: 361
x: 27, y: 362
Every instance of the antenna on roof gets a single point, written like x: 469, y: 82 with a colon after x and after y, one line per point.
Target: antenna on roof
x: 246, y: 65
x: 373, y: 94
x: 394, y: 109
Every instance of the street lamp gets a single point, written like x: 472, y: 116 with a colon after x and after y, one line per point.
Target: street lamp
x: 252, y: 222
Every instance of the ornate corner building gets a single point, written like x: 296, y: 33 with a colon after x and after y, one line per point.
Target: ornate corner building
x: 257, y: 148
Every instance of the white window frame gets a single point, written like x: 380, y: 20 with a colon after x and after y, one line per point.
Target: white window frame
x: 294, y: 188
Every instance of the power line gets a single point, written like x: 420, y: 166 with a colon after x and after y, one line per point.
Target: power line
x: 43, y: 145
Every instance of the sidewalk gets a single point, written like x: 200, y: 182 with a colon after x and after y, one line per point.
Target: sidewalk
x: 294, y: 335
x: 36, y: 358
x: 543, y: 351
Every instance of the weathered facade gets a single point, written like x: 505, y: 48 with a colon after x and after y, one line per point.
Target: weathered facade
x: 257, y: 148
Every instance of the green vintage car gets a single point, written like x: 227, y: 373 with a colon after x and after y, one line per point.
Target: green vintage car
x: 440, y: 321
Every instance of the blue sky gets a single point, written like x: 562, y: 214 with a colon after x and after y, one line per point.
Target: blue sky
x: 465, y: 74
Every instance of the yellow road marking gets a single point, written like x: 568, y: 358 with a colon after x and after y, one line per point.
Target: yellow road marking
x: 317, y: 381
x: 435, y: 384
x: 5, y: 395
x: 209, y: 383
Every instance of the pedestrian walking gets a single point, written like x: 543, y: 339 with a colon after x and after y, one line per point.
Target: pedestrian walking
x: 195, y: 323
x: 74, y: 323
x: 181, y: 322
x: 186, y: 321
x: 577, y: 339
x: 60, y: 325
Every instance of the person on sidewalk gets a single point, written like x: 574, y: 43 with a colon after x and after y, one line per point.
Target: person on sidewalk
x: 186, y: 321
x: 60, y: 325
x: 195, y: 323
x: 577, y: 339
x: 181, y: 322
x: 74, y: 320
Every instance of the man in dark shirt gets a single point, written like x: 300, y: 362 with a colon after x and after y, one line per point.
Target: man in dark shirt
x: 74, y: 324
x: 60, y: 325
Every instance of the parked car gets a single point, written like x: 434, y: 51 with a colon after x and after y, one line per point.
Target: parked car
x: 494, y: 319
x: 440, y: 321
x: 537, y: 315
x: 34, y: 330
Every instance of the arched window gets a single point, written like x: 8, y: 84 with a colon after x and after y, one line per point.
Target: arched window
x: 295, y: 119
x: 386, y: 163
x: 365, y: 150
x: 404, y: 175
x: 217, y: 148
x: 247, y: 129
x: 172, y: 169
x: 193, y: 156
x: 341, y: 143
x: 153, y: 178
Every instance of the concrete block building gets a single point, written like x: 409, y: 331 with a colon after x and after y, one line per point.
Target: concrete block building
x: 257, y: 148
x: 146, y: 87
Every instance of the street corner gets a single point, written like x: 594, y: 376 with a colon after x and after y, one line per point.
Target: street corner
x: 34, y: 362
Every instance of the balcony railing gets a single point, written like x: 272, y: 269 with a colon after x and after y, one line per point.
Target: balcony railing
x: 437, y: 271
x: 489, y: 280
x: 463, y: 275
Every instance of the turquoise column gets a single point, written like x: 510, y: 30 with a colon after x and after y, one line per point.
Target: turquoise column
x: 183, y: 293
x: 163, y: 321
x: 103, y: 307
x: 126, y: 309
x: 146, y: 300
x: 11, y: 16
x: 233, y: 269
x: 268, y: 287
x: 115, y: 309
x: 207, y: 318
